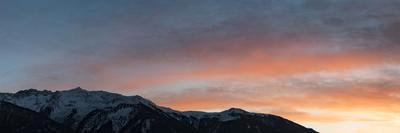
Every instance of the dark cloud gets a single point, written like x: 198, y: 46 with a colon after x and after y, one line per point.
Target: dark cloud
x: 392, y: 32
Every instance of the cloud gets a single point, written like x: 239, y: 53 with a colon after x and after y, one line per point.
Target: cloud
x: 313, y: 97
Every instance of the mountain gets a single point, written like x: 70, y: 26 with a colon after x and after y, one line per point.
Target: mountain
x: 81, y: 111
x: 15, y: 119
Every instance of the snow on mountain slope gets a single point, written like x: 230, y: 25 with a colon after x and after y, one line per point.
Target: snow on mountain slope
x: 71, y: 105
x: 118, y: 117
x: 227, y: 115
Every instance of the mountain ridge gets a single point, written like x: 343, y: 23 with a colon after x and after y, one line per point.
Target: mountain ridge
x: 101, y: 111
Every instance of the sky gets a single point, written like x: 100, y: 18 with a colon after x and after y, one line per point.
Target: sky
x: 330, y: 65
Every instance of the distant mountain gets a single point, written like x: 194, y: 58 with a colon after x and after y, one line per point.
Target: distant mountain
x: 83, y: 111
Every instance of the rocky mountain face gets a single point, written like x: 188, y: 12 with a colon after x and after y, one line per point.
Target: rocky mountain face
x: 15, y: 119
x: 83, y: 111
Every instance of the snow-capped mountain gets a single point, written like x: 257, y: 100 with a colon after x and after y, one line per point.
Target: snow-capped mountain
x: 99, y: 111
x: 69, y: 107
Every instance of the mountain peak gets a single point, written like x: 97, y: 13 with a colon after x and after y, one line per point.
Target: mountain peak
x: 28, y: 90
x: 235, y: 110
x: 78, y: 89
x: 31, y: 91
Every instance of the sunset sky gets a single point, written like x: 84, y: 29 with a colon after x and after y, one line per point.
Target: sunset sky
x: 332, y: 65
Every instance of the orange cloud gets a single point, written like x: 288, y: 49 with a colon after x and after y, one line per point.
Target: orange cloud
x: 316, y: 105
x: 259, y: 64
